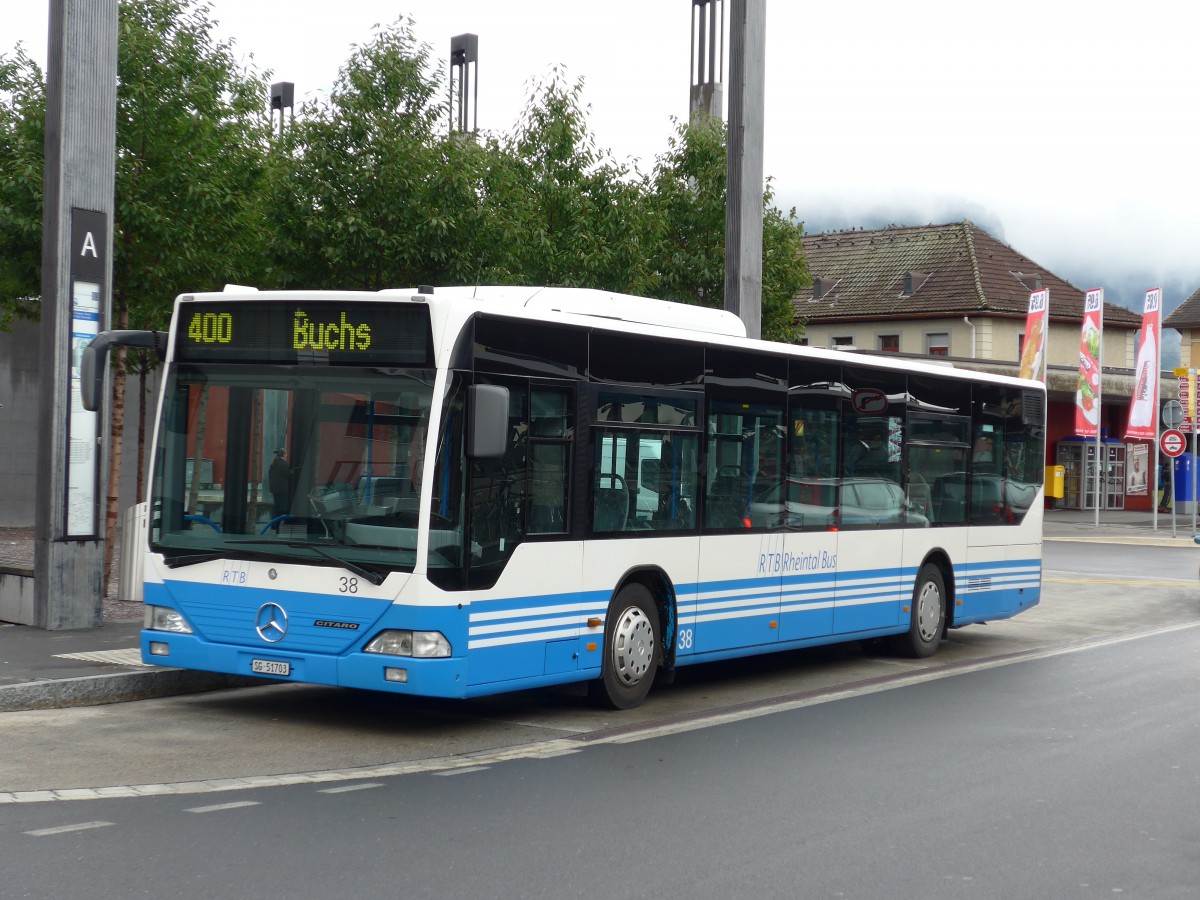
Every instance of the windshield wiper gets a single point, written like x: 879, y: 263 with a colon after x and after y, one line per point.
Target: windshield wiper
x: 374, y: 577
x: 189, y: 559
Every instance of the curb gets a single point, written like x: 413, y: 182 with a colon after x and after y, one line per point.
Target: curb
x: 96, y: 690
x: 1132, y: 540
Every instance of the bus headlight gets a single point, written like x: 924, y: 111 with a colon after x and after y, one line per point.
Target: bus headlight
x: 163, y: 618
x: 419, y: 644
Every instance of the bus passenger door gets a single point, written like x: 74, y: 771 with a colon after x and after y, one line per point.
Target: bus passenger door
x: 872, y: 506
x: 809, y: 559
x: 871, y: 545
x: 741, y: 548
x: 808, y: 503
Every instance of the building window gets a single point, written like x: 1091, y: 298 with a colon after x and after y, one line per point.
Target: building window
x: 937, y: 343
x: 803, y: 342
x: 889, y: 343
x: 1020, y: 344
x: 843, y: 341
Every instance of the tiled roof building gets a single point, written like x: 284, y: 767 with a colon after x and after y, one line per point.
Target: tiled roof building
x: 1186, y: 320
x: 955, y: 291
x: 908, y: 289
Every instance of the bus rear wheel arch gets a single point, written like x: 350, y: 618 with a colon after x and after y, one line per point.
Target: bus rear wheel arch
x: 632, y: 649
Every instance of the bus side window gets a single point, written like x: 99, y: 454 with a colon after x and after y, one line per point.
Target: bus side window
x: 549, y: 460
x: 498, y: 486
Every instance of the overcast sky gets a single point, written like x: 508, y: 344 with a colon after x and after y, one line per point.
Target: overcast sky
x: 1064, y: 127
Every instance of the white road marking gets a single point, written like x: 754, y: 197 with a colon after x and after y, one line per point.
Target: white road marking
x: 466, y: 771
x: 63, y: 829
x: 350, y: 787
x: 222, y: 806
x: 447, y: 765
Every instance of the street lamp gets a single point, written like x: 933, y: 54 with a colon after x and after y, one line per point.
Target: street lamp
x: 464, y: 53
x: 708, y: 57
x: 283, y: 94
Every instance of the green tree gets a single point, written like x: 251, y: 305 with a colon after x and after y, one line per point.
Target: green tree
x: 558, y: 210
x: 192, y: 137
x: 192, y: 133
x: 359, y: 193
x: 689, y: 187
x: 22, y: 155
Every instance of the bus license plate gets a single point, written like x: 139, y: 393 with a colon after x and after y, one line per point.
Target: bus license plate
x: 270, y: 667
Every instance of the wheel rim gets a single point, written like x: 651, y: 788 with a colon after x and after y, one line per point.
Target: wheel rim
x: 929, y: 611
x: 633, y: 647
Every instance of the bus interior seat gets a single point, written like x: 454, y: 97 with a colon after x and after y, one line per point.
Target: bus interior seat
x: 611, y: 509
x: 950, y: 498
x: 920, y: 494
x: 726, y: 501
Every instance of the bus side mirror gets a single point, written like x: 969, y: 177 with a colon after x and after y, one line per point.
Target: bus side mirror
x: 487, y: 421
x: 95, y: 358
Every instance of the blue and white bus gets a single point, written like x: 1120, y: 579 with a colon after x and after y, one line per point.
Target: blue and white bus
x: 464, y: 491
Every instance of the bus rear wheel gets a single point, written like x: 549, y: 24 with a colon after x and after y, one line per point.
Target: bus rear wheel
x: 927, y: 615
x: 631, y: 650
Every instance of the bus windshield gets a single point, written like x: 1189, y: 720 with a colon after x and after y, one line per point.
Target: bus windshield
x: 311, y: 465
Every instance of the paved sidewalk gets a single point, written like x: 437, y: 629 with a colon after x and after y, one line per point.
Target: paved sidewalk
x: 1118, y: 526
x: 55, y: 669
x: 42, y: 669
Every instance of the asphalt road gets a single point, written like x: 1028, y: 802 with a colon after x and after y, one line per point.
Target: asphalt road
x: 1070, y: 775
x: 1048, y: 756
x: 196, y: 744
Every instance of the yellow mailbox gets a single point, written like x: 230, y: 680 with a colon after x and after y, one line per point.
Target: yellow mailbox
x: 1056, y: 477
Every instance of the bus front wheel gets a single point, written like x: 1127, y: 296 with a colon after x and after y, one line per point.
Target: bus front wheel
x: 927, y: 615
x: 631, y: 650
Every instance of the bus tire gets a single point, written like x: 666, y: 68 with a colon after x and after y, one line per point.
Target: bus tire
x: 927, y: 617
x: 631, y: 650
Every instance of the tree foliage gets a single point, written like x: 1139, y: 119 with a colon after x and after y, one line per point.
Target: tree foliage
x: 192, y: 130
x: 366, y: 188
x: 689, y: 194
x: 22, y: 156
x: 559, y: 210
x: 359, y: 196
x: 192, y: 136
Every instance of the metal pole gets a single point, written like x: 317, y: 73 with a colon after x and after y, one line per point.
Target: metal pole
x: 1191, y: 402
x: 744, y: 193
x: 1174, y: 524
x: 1099, y: 406
x: 81, y: 121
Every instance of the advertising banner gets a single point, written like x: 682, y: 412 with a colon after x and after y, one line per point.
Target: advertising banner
x: 1137, y: 471
x: 1143, y: 409
x: 1033, y: 352
x: 1088, y: 394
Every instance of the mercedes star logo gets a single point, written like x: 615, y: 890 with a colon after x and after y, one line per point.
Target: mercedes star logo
x: 271, y: 622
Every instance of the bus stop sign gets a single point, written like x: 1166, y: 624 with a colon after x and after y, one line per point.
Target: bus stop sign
x: 1172, y: 443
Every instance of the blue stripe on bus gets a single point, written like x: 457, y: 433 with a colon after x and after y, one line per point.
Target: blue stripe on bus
x: 544, y: 639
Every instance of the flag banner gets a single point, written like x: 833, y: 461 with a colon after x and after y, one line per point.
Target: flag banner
x: 1143, y: 408
x: 1033, y: 352
x: 1088, y: 394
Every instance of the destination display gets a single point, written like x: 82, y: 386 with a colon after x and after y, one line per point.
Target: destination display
x: 320, y: 332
